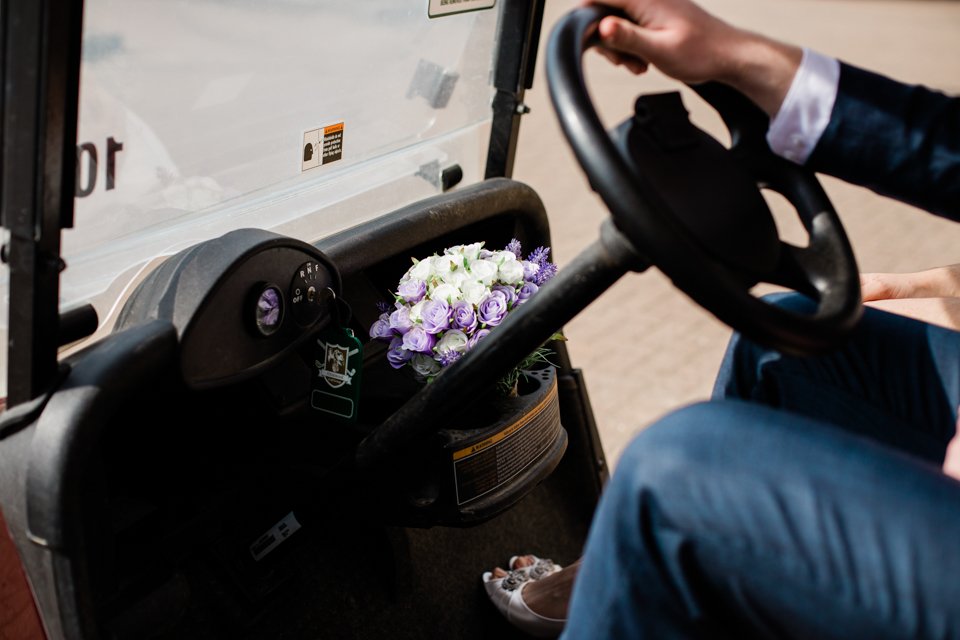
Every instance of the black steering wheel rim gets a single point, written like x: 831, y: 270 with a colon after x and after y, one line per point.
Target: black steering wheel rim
x: 825, y: 269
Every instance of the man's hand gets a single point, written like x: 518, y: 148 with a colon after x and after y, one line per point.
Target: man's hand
x: 691, y: 45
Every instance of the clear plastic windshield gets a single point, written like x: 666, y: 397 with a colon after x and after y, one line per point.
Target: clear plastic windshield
x: 301, y: 116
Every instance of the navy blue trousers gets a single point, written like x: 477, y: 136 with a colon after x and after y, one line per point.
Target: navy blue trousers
x: 805, y: 500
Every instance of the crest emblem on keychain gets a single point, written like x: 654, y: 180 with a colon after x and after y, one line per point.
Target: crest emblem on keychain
x: 336, y: 387
x: 334, y: 368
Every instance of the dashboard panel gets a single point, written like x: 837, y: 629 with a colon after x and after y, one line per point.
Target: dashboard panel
x: 238, y: 303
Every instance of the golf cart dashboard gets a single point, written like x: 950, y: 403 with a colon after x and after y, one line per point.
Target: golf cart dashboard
x: 238, y: 303
x: 253, y: 314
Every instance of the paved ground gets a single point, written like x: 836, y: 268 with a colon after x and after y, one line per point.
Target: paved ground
x: 645, y: 348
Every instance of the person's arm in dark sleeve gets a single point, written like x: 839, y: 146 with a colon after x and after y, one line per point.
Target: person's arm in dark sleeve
x: 902, y: 141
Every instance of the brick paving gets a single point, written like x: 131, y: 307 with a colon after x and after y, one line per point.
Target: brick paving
x: 645, y: 348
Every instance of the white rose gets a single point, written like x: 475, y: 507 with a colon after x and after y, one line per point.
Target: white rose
x: 503, y: 257
x: 453, y: 340
x: 447, y: 292
x: 484, y: 271
x: 421, y: 270
x: 511, y: 272
x: 474, y: 292
x: 424, y: 365
x: 455, y: 277
x: 417, y: 310
x: 472, y: 251
x: 442, y: 265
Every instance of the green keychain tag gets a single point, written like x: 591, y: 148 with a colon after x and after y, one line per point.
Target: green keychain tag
x: 338, y: 360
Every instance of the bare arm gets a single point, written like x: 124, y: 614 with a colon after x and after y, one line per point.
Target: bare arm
x: 931, y: 296
x: 942, y: 282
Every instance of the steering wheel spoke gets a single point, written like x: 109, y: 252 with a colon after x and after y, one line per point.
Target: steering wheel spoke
x: 795, y: 268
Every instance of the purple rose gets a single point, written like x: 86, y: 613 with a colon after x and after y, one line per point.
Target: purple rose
x: 527, y: 290
x: 400, y: 320
x: 417, y: 340
x: 412, y: 290
x: 464, y: 317
x: 477, y: 337
x: 435, y: 316
x: 492, y: 309
x: 397, y: 356
x: 509, y: 292
x: 530, y: 270
x: 381, y: 328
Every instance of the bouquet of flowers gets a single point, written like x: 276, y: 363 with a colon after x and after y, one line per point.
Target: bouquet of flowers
x: 446, y: 304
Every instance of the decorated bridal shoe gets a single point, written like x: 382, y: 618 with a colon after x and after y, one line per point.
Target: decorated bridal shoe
x: 541, y: 567
x: 506, y: 593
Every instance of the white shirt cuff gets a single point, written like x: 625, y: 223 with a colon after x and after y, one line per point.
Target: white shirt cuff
x: 805, y: 112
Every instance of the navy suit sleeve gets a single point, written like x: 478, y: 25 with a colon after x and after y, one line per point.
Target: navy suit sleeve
x: 899, y: 140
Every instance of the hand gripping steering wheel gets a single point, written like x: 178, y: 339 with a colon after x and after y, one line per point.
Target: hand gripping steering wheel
x: 694, y: 209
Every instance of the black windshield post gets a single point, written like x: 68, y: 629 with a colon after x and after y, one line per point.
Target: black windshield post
x: 517, y: 42
x: 41, y: 42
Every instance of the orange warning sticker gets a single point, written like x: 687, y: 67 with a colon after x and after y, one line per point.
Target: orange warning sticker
x: 321, y: 146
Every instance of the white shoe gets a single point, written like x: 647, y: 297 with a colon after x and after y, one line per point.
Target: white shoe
x: 507, y: 596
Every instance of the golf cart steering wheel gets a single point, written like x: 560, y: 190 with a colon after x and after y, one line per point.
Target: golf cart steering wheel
x: 679, y: 200
x: 694, y: 209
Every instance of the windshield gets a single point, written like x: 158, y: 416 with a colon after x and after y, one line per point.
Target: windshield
x: 301, y: 116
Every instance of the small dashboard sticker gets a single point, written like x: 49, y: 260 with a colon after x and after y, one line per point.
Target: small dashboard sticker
x: 447, y: 7
x: 276, y: 536
x: 321, y: 146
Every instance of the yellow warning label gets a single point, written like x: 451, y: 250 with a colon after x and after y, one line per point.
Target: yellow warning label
x: 506, y: 433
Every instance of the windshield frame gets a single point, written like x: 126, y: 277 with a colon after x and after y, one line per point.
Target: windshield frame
x: 41, y: 78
